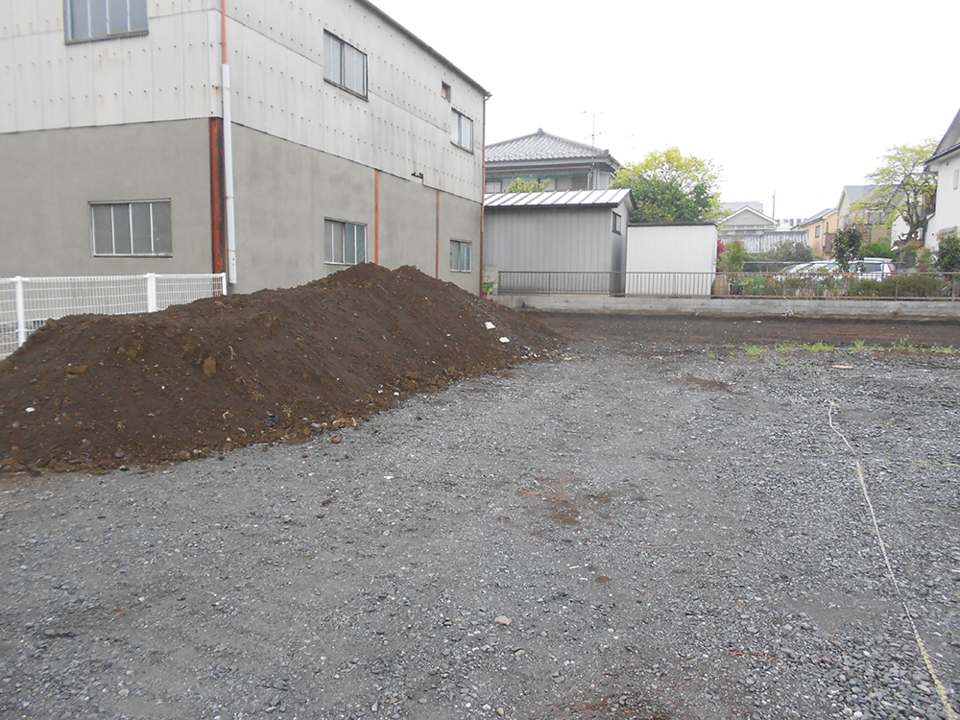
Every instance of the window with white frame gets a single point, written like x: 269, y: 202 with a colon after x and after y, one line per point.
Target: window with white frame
x: 816, y: 231
x: 97, y: 19
x: 460, y: 256
x: 617, y: 223
x: 461, y: 131
x: 344, y: 65
x: 141, y: 228
x: 344, y: 243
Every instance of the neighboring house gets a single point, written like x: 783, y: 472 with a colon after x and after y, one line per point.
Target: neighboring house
x: 541, y: 157
x: 820, y: 230
x: 280, y: 143
x: 945, y: 162
x: 871, y: 223
x: 746, y: 221
x: 579, y: 231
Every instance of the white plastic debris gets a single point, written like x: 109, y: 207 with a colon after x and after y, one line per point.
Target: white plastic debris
x: 490, y: 325
x: 31, y: 409
x: 504, y: 339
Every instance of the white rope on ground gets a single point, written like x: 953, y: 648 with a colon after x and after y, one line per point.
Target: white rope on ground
x: 941, y: 690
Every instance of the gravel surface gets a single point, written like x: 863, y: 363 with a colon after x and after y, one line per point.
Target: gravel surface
x: 642, y: 533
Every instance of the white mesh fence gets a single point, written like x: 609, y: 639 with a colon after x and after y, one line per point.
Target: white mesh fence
x: 27, y: 303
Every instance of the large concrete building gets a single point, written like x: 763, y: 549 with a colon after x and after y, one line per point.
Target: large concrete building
x: 276, y: 141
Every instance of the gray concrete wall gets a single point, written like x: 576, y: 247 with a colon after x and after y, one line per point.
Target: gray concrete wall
x: 724, y: 306
x: 49, y: 178
x: 285, y: 191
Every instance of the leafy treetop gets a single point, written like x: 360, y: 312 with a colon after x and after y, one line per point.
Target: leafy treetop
x: 521, y: 185
x: 669, y: 187
x: 903, y: 188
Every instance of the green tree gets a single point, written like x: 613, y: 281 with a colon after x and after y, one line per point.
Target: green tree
x: 948, y: 254
x: 903, y: 189
x: 669, y: 187
x: 847, y: 247
x: 731, y: 260
x: 521, y: 185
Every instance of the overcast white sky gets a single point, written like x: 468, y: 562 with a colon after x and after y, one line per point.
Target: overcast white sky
x: 800, y: 98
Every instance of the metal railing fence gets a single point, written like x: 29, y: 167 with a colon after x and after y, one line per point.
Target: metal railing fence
x: 26, y: 303
x: 899, y: 286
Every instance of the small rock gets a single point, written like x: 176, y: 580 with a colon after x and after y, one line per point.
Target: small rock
x: 503, y: 620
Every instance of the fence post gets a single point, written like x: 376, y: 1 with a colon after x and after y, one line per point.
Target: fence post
x: 21, y: 311
x: 223, y: 283
x: 151, y: 292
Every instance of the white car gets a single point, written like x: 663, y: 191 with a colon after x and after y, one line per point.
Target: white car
x: 866, y: 269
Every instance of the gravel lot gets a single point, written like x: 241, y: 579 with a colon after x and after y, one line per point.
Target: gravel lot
x: 640, y: 532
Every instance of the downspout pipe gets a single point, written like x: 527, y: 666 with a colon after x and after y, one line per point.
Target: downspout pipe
x: 228, y: 152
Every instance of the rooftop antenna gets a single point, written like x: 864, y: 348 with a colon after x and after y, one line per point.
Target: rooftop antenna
x: 593, y: 126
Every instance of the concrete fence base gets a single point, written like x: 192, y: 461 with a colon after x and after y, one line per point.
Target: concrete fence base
x: 865, y: 308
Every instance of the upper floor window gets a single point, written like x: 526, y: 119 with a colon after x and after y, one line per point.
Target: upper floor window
x: 131, y: 228
x: 445, y: 92
x: 97, y: 19
x: 344, y: 65
x: 956, y: 179
x: 617, y: 223
x: 461, y: 131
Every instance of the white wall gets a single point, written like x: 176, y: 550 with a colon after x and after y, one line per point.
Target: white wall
x: 948, y: 199
x: 671, y: 249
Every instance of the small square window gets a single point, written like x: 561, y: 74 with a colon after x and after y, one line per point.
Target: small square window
x: 142, y: 229
x: 460, y: 256
x: 344, y: 243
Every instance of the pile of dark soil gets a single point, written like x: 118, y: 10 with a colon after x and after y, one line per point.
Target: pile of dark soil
x: 95, y: 392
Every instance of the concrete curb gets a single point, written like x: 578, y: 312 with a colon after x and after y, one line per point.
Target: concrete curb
x: 752, y: 307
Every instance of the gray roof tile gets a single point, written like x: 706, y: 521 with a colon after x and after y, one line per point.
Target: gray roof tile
x: 542, y: 146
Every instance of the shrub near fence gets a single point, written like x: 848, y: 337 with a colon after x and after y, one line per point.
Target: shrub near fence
x: 27, y: 303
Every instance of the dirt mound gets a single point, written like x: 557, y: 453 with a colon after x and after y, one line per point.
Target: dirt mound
x: 96, y: 392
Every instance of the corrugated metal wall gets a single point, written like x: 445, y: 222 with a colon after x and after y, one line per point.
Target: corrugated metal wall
x: 563, y: 239
x: 276, y: 58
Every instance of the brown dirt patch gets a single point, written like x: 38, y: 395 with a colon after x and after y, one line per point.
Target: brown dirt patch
x: 626, y: 332
x: 95, y: 392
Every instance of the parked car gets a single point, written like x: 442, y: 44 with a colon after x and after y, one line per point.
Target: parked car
x: 866, y: 269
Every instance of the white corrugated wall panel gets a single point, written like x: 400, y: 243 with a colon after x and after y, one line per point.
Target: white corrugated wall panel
x: 80, y: 83
x: 8, y: 99
x: 169, y: 97
x: 27, y: 93
x: 137, y: 82
x: 275, y: 96
x: 54, y: 81
x: 214, y: 64
x: 252, y: 106
x: 24, y: 16
x: 196, y: 50
x: 108, y: 82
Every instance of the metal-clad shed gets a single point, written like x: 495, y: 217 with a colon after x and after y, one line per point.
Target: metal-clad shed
x: 571, y: 231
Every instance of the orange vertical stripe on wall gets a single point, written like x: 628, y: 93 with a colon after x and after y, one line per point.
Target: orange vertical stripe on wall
x: 438, y: 236
x: 218, y: 198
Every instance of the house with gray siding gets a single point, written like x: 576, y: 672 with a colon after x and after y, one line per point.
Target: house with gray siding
x: 544, y: 158
x: 278, y: 142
